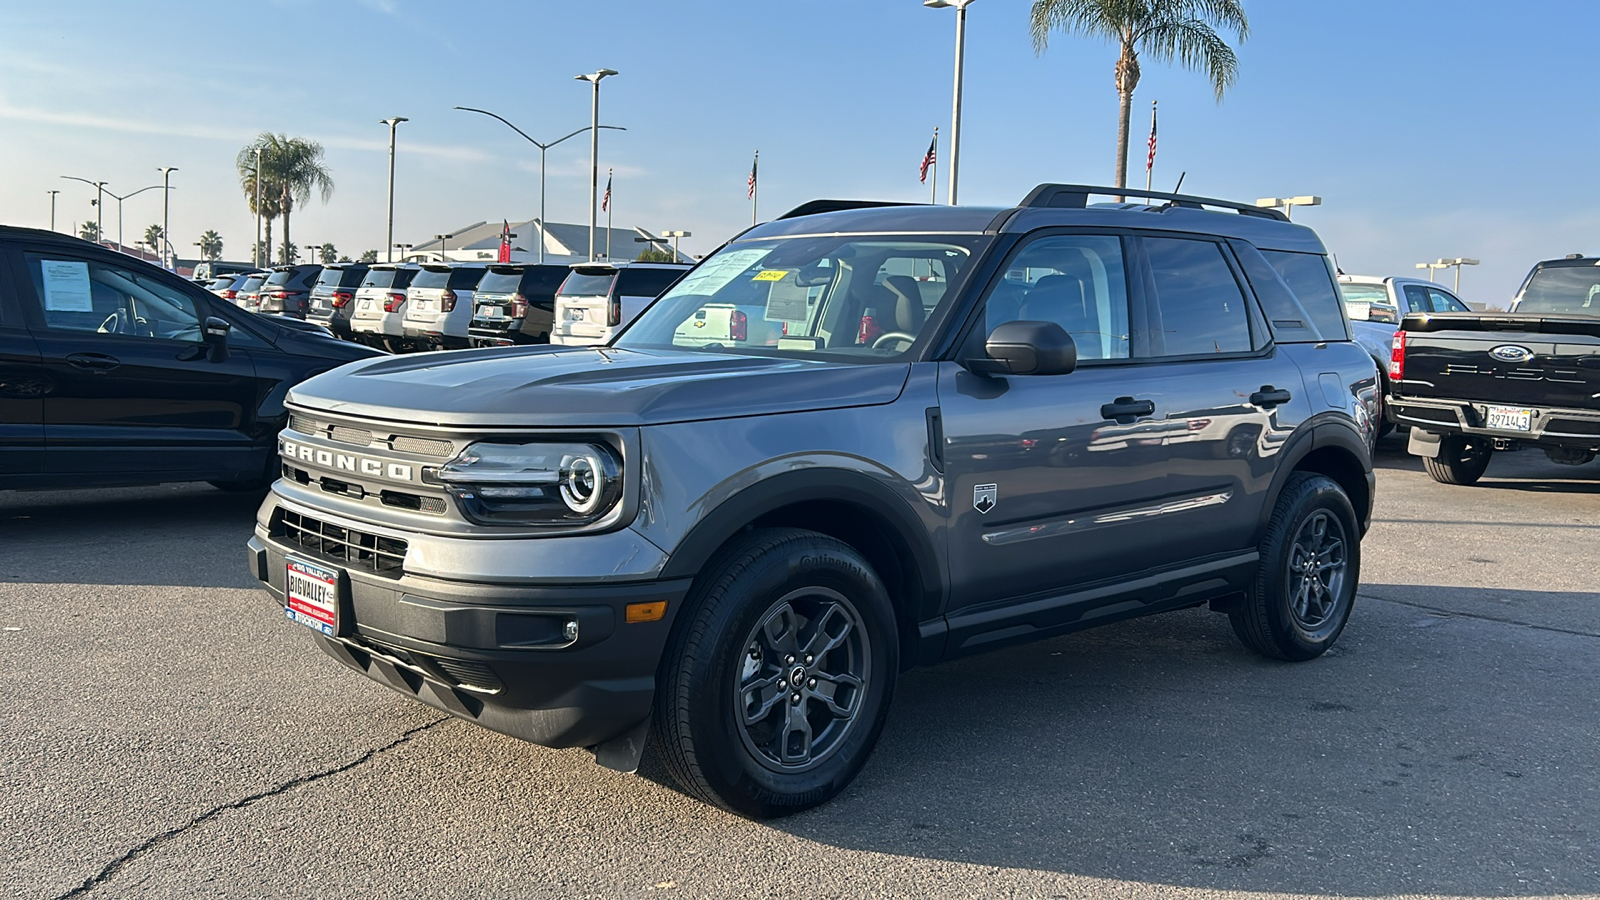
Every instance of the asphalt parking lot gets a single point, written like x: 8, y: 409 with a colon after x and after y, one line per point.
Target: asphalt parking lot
x: 167, y: 733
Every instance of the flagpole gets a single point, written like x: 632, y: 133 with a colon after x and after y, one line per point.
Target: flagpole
x: 1150, y: 163
x: 609, y: 210
x: 933, y: 177
x: 755, y: 186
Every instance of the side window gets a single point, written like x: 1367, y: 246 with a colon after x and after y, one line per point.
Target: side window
x: 1311, y: 278
x: 1076, y: 281
x: 92, y: 296
x: 1443, y: 302
x: 633, y: 282
x: 1199, y: 308
x: 1417, y: 298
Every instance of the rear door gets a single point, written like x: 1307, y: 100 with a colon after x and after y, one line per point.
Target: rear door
x: 129, y: 388
x: 23, y: 385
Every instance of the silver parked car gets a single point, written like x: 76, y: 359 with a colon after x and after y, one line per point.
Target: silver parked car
x: 380, y: 306
x: 597, y: 299
x: 439, y: 306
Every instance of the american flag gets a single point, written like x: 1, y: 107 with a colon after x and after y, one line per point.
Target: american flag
x: 929, y: 158
x: 1150, y: 163
x: 751, y: 194
x: 605, y: 202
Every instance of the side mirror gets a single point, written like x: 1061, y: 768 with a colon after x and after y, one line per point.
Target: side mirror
x: 1027, y: 348
x: 214, y: 334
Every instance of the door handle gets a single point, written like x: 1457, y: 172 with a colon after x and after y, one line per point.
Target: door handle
x: 93, y: 362
x: 1125, y: 409
x: 1268, y: 397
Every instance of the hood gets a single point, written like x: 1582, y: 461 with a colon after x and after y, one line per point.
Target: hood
x: 591, y: 388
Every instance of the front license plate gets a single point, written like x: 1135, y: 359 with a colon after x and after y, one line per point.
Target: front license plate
x: 313, y: 593
x: 1510, y: 418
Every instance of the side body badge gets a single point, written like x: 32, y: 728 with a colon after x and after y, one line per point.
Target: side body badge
x: 984, y: 497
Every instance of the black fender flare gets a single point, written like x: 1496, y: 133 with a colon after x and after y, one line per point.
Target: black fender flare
x: 1323, y: 432
x: 905, y: 529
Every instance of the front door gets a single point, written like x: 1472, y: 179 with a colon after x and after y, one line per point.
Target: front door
x: 130, y: 388
x: 22, y: 385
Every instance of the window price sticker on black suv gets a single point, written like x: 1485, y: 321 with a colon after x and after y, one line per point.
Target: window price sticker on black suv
x: 313, y: 594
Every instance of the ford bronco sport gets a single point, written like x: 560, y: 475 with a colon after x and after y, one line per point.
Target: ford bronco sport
x: 975, y: 427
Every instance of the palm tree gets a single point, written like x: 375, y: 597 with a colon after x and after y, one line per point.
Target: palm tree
x: 211, y: 245
x: 90, y: 231
x: 269, y: 193
x: 1185, y: 30
x: 152, y: 236
x: 328, y: 254
x: 298, y: 167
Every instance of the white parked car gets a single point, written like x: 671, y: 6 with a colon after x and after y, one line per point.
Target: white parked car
x: 381, y: 305
x: 439, y: 306
x: 597, y: 299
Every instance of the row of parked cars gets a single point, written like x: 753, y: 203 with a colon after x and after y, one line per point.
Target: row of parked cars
x: 403, y: 307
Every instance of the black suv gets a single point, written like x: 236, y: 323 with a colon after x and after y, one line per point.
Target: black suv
x: 333, y: 297
x: 515, y: 304
x: 972, y: 427
x: 287, y: 291
x: 115, y: 372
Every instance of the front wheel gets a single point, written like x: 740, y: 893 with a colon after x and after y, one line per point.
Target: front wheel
x: 1461, y: 460
x: 773, y: 692
x: 1310, y: 566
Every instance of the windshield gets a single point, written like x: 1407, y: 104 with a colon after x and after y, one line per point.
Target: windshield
x: 1562, y: 289
x: 864, y: 297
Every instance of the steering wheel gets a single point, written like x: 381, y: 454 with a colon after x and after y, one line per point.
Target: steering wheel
x: 112, y: 324
x: 893, y: 336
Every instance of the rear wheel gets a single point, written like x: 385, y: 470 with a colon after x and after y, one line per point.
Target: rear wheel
x: 1461, y: 460
x: 774, y: 690
x: 1310, y: 565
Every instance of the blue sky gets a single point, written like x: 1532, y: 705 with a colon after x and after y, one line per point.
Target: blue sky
x: 1429, y: 128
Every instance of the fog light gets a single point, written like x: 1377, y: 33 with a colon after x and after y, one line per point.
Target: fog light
x: 571, y: 631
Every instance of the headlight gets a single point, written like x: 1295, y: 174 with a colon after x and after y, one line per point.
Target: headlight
x: 534, y: 484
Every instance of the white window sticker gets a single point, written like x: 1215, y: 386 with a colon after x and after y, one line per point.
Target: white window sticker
x: 66, y: 285
x: 714, y: 275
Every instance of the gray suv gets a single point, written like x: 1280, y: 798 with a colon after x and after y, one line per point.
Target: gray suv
x: 973, y: 427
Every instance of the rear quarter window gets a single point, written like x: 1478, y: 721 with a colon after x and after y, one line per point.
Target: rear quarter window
x: 1311, y: 278
x: 646, y: 282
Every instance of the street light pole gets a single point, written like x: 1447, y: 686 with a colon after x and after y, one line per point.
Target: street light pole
x: 52, y: 208
x: 1287, y: 204
x: 166, y: 192
x: 99, y: 205
x: 675, y: 235
x: 594, y: 150
x: 542, y: 149
x: 441, y: 239
x: 255, y: 254
x: 392, y: 122
x: 955, y: 104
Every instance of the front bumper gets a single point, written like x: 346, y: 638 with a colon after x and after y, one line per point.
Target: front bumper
x: 1551, y: 426
x: 497, y: 654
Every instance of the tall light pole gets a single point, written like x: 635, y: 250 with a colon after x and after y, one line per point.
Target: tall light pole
x: 52, y: 208
x: 675, y: 235
x: 1288, y: 203
x: 955, y: 104
x: 1456, y: 264
x: 166, y: 192
x: 403, y: 248
x: 99, y: 205
x: 153, y: 187
x: 542, y: 149
x: 441, y: 238
x: 392, y: 122
x: 594, y: 149
x: 1432, y: 267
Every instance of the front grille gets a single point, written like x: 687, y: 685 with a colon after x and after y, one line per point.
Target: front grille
x: 355, y: 549
x: 344, y: 434
x: 422, y: 446
x: 304, y: 424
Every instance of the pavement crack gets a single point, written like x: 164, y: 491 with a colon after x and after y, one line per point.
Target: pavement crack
x: 111, y: 868
x: 1487, y: 618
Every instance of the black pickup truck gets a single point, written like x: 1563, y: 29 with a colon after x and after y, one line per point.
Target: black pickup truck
x: 1470, y: 384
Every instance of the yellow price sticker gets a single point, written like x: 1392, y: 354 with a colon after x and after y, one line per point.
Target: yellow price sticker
x: 770, y: 275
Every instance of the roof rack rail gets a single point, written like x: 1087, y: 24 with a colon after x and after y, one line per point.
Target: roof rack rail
x: 813, y: 207
x: 1076, y: 196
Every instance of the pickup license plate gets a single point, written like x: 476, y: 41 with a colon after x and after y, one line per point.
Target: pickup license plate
x: 574, y: 315
x: 1510, y: 418
x: 313, y: 595
x: 366, y: 302
x: 491, y: 312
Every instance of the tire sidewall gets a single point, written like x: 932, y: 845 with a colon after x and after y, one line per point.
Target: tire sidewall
x: 734, y: 773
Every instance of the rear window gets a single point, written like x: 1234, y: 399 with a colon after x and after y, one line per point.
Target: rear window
x: 432, y: 278
x: 1311, y: 278
x: 465, y: 279
x: 1562, y: 289
x: 251, y: 283
x: 339, y: 277
x: 580, y: 285
x: 280, y: 277
x: 496, y: 282
x: 646, y: 282
x: 388, y: 278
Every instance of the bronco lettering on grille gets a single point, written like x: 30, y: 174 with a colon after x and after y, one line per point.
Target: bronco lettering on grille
x: 345, y: 462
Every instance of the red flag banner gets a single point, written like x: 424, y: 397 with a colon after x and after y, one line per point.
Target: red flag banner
x: 1150, y: 163
x: 505, y: 242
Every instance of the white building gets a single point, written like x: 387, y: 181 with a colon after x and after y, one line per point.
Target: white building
x: 563, y: 244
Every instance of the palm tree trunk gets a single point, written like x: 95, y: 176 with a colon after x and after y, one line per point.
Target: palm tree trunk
x: 1124, y: 111
x: 266, y: 260
x: 286, y: 259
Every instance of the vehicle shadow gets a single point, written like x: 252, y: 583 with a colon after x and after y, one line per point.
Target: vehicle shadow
x: 1521, y: 470
x: 175, y: 534
x: 1425, y: 754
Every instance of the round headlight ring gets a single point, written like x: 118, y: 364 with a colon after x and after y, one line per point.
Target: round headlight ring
x: 583, y: 483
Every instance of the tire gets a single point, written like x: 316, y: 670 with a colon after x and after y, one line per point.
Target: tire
x: 724, y: 720
x: 1461, y: 460
x: 1292, y: 613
